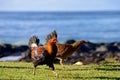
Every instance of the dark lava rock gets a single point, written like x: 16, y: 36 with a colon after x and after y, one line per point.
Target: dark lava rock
x: 70, y: 41
x: 87, y: 53
x: 13, y: 50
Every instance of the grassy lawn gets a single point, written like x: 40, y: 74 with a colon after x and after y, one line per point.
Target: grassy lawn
x: 23, y: 71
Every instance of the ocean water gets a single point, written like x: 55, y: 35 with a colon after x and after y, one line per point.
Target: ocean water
x: 18, y: 27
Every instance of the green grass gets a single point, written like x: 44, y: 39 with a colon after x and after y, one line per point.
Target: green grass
x: 23, y: 71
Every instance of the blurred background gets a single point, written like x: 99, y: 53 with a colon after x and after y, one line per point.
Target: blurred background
x: 92, y: 20
x: 97, y: 21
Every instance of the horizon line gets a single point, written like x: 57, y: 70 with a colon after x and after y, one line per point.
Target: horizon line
x: 68, y: 11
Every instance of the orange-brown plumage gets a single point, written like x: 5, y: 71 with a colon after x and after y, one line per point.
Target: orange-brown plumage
x: 43, y: 54
x: 50, y: 47
x: 66, y: 50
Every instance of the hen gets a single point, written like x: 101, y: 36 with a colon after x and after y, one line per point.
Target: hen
x: 43, y: 54
x: 66, y: 50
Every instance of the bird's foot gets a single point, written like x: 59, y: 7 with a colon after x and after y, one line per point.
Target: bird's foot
x: 57, y: 75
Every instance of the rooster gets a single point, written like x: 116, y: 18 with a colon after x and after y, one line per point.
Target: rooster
x: 43, y: 54
x: 66, y: 50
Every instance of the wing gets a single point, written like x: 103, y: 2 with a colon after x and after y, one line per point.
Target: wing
x: 62, y: 49
x: 38, y: 52
x: 33, y: 39
x: 42, y: 57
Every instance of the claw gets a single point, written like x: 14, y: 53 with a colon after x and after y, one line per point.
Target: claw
x: 56, y: 74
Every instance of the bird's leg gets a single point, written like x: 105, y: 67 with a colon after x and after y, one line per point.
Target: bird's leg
x: 34, y: 70
x: 56, y: 74
x: 52, y: 68
x: 61, y: 62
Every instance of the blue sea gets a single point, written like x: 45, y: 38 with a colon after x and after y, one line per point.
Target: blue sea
x: 18, y: 27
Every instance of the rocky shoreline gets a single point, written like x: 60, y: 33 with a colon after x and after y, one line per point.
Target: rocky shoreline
x: 7, y: 50
x: 87, y: 53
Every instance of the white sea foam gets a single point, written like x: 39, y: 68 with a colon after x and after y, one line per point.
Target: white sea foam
x: 11, y: 58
